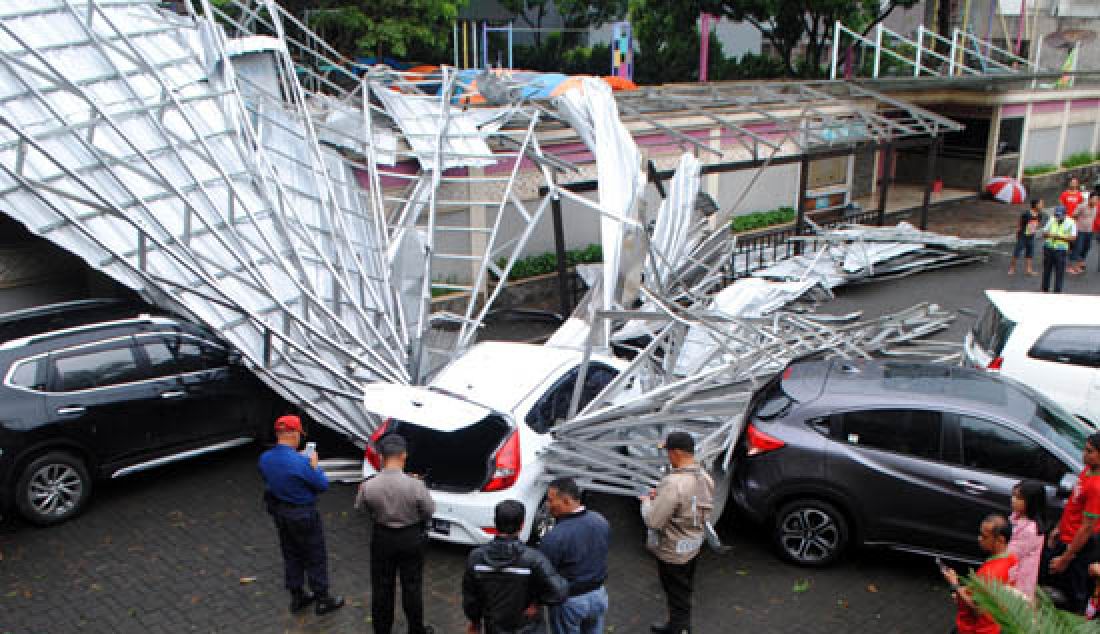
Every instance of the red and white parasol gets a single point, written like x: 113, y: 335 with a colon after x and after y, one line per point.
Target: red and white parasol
x: 1007, y: 190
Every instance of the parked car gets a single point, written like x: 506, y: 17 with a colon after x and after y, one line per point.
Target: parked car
x: 475, y: 433
x: 909, y: 456
x: 1048, y: 341
x: 100, y: 389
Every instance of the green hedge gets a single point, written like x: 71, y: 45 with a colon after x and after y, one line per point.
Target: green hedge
x: 1080, y: 159
x: 535, y: 265
x: 1036, y: 170
x: 761, y: 219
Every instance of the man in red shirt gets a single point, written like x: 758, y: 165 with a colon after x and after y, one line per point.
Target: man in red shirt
x: 995, y: 533
x: 1071, y: 545
x: 1072, y: 197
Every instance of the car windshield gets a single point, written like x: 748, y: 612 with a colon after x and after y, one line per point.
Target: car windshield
x: 1060, y: 427
x: 992, y: 330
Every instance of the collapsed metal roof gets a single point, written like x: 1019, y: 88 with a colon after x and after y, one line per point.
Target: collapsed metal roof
x: 231, y: 166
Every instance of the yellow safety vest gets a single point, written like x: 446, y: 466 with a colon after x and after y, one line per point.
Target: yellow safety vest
x: 1057, y: 229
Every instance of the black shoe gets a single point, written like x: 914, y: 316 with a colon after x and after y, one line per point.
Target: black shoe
x: 328, y: 604
x: 300, y: 601
x: 660, y: 628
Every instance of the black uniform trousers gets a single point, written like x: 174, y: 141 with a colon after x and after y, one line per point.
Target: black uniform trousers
x: 1054, y: 261
x: 302, y: 540
x: 393, y: 552
x: 1074, y: 581
x: 678, y: 580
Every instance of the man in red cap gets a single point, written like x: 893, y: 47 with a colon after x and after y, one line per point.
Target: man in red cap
x: 292, y: 482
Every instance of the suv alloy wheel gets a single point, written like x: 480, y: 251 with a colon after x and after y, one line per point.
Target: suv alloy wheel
x: 810, y: 532
x: 53, y: 488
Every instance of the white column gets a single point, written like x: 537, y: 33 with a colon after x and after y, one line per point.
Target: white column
x: 1025, y: 136
x: 991, y: 145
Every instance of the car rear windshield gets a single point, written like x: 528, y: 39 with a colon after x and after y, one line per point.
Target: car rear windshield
x: 1060, y: 427
x: 459, y: 461
x: 992, y: 330
x: 773, y: 402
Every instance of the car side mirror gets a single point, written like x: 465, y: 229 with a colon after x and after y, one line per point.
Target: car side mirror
x: 1066, y: 484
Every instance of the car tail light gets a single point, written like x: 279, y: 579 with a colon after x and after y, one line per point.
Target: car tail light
x: 371, y: 454
x: 506, y: 469
x: 489, y: 530
x: 759, y: 442
x: 996, y: 363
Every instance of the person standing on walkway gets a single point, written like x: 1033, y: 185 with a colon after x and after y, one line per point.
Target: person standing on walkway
x: 577, y: 547
x: 400, y: 506
x: 1072, y: 544
x: 1057, y: 235
x: 1084, y: 218
x: 1027, y: 227
x: 676, y: 513
x: 995, y: 533
x: 291, y: 484
x: 506, y: 583
x: 1072, y: 197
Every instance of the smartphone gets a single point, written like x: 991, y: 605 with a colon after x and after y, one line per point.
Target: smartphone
x: 939, y: 564
x: 311, y: 447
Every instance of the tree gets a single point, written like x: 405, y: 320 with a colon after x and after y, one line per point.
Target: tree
x: 789, y: 23
x: 575, y: 14
x: 668, y: 40
x: 380, y: 27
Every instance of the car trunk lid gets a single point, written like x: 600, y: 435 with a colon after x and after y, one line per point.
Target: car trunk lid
x: 452, y: 442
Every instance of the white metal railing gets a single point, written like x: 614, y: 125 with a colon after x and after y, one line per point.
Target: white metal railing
x: 968, y: 54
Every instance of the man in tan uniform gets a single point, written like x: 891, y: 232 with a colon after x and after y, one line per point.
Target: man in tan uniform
x: 400, y: 505
x: 676, y: 514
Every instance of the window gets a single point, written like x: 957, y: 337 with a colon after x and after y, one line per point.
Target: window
x: 910, y: 432
x: 1072, y: 345
x: 554, y: 406
x: 992, y: 330
x: 28, y: 374
x: 96, y: 368
x: 989, y: 446
x: 161, y: 360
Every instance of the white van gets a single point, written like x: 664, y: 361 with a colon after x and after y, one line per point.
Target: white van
x: 1050, y: 342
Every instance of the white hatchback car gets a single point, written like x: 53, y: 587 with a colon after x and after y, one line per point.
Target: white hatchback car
x: 475, y: 433
x: 1050, y: 342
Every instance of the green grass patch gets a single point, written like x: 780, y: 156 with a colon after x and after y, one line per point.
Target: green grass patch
x: 535, y: 265
x: 1036, y: 170
x: 761, y: 219
x: 1078, y: 160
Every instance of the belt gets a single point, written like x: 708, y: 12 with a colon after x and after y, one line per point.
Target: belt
x: 578, y: 588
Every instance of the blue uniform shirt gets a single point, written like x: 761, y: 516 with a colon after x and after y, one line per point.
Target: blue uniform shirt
x: 577, y: 546
x: 289, y: 477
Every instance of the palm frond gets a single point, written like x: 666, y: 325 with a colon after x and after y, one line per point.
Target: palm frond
x: 1016, y: 615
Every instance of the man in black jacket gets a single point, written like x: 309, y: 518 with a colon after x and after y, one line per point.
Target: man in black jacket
x: 506, y: 582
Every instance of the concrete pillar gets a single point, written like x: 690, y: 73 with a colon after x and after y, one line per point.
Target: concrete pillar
x: 1025, y: 136
x: 990, y: 165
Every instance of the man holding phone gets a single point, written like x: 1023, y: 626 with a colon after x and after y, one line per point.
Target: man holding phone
x: 993, y: 537
x: 291, y: 484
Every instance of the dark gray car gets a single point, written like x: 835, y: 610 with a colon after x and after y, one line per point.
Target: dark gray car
x: 910, y: 456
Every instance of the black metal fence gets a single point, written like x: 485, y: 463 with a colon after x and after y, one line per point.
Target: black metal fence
x: 763, y: 248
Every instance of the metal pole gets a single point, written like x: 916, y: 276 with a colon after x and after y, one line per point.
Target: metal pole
x: 878, y: 50
x: 564, y: 299
x: 954, y: 52
x: 929, y: 180
x: 836, y: 48
x: 800, y: 220
x: 510, y: 63
x: 887, y: 168
x: 485, y: 45
x: 454, y: 26
x: 704, y: 45
x: 920, y: 49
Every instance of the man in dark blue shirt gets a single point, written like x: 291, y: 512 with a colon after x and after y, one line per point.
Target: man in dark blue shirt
x: 292, y: 482
x: 577, y: 546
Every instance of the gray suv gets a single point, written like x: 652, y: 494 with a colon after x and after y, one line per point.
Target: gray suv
x: 905, y: 455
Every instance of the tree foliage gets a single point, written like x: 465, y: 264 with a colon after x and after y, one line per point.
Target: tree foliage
x: 400, y: 28
x: 1016, y: 615
x: 786, y: 24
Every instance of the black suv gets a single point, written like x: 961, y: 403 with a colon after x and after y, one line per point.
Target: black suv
x: 104, y: 388
x: 905, y: 455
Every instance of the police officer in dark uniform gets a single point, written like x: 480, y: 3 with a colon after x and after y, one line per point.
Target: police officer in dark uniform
x: 292, y: 482
x: 400, y: 505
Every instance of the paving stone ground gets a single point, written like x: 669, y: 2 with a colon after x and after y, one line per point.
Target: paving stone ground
x: 188, y: 548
